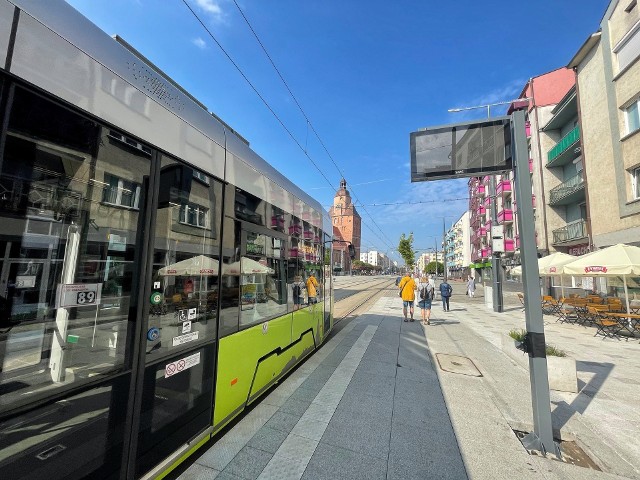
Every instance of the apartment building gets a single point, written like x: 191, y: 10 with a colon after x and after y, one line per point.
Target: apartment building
x: 607, y: 69
x: 457, y: 247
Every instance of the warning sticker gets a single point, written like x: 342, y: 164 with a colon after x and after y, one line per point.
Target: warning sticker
x: 182, y: 339
x: 181, y: 365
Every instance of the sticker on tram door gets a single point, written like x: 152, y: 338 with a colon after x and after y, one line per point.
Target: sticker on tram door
x: 181, y: 365
x: 182, y: 339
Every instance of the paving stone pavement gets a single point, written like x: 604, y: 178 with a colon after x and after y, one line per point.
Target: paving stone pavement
x: 373, y: 403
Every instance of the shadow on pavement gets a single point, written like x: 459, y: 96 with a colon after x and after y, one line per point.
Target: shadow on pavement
x: 587, y: 392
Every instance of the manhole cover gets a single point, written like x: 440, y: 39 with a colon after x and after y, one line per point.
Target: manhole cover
x: 457, y: 364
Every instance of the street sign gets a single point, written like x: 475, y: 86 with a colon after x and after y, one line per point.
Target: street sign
x: 461, y: 150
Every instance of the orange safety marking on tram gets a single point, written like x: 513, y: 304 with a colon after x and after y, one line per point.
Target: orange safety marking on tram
x: 234, y: 381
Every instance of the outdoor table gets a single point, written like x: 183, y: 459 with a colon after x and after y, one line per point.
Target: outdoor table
x: 632, y: 320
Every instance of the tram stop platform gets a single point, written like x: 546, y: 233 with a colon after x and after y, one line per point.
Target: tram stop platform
x: 385, y: 399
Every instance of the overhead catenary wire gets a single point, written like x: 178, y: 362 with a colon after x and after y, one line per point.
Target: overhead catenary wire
x: 309, y: 124
x: 303, y: 149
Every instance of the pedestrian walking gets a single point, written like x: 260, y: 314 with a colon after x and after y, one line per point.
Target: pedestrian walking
x: 425, y: 293
x: 312, y: 285
x: 471, y: 287
x: 445, y: 293
x: 407, y: 288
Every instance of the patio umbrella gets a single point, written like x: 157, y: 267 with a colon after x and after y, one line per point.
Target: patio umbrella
x: 248, y: 265
x: 616, y: 261
x: 551, y: 266
x: 548, y: 266
x: 198, y: 265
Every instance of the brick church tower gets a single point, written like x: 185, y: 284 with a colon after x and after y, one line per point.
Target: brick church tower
x: 347, y: 225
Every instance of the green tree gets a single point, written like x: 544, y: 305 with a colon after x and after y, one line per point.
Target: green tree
x: 431, y: 268
x: 405, y: 249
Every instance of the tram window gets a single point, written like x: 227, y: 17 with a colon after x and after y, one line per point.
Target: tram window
x: 185, y: 261
x: 64, y: 321
x: 230, y: 282
x: 262, y: 289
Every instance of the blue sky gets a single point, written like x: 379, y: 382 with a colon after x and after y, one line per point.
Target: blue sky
x: 366, y: 74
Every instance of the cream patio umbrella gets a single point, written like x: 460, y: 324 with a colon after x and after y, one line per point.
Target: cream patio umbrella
x: 550, y: 266
x: 616, y: 261
x: 198, y: 265
x: 248, y: 265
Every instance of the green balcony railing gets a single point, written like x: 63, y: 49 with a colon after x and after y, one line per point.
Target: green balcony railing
x: 569, y: 139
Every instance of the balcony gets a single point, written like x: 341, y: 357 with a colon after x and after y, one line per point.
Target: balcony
x: 527, y: 128
x: 505, y: 216
x: 481, y: 190
x: 482, y: 231
x: 571, y: 191
x: 485, y: 252
x: 481, y: 210
x: 509, y: 244
x: 487, y: 202
x: 503, y: 187
x: 295, y: 229
x: 565, y: 150
x: 533, y: 201
x: 487, y: 225
x: 571, y: 232
x: 531, y: 165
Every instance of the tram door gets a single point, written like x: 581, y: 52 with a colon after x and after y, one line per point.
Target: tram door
x: 66, y: 336
x: 180, y: 328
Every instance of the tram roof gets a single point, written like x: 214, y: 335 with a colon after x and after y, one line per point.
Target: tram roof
x: 118, y: 57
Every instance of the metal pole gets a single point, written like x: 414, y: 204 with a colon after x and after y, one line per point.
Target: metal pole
x: 444, y: 241
x: 496, y: 267
x: 541, y: 439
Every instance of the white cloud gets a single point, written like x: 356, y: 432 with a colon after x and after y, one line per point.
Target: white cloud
x: 212, y: 8
x: 200, y: 43
x: 503, y: 93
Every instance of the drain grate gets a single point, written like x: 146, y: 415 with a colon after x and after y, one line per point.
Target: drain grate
x: 457, y: 364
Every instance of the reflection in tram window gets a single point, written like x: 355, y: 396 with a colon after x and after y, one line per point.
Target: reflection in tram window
x: 249, y: 207
x: 67, y: 250
x: 186, y: 260
x: 262, y: 281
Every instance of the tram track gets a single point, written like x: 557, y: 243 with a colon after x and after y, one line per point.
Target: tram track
x: 370, y: 295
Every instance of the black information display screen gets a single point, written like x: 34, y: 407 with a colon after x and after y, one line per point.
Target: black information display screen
x: 461, y: 150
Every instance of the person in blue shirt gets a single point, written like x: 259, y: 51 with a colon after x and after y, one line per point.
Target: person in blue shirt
x: 445, y: 293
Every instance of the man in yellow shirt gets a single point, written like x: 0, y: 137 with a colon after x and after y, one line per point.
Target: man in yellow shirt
x: 312, y: 284
x: 407, y: 288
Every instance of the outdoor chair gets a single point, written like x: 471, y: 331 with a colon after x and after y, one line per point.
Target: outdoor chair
x: 607, y: 326
x: 550, y: 305
x: 593, y: 312
x: 521, y: 298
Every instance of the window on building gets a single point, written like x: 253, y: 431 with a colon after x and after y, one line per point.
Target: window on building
x: 632, y: 116
x: 194, y: 215
x: 121, y: 192
x: 628, y: 49
x: 635, y: 182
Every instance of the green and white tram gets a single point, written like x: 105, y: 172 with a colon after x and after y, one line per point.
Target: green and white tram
x: 147, y: 257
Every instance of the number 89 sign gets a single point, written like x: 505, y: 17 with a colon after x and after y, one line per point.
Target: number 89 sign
x: 79, y: 294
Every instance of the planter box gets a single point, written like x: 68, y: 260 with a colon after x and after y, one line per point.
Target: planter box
x: 562, y: 370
